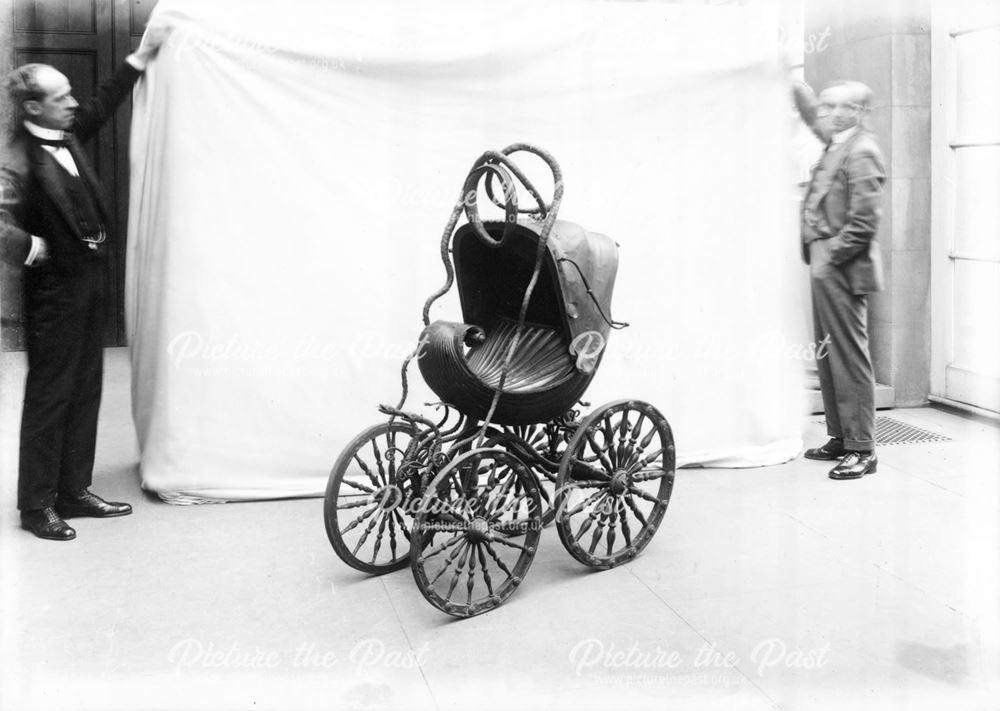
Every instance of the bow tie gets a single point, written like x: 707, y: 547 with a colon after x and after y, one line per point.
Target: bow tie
x: 62, y: 143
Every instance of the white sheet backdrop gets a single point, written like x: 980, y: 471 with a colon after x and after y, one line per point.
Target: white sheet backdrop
x: 292, y: 171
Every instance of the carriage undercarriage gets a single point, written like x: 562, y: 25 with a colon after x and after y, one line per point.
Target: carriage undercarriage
x: 467, y: 519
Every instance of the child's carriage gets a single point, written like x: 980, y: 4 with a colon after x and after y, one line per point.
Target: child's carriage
x: 462, y: 498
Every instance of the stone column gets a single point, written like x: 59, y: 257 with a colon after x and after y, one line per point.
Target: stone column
x: 886, y: 45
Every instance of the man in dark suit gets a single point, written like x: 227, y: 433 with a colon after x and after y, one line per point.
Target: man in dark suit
x: 840, y: 217
x: 54, y: 218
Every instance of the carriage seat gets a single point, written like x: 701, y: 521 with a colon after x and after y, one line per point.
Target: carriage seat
x: 541, y: 360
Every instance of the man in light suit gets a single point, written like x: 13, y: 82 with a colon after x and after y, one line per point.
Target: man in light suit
x: 54, y: 218
x: 840, y: 218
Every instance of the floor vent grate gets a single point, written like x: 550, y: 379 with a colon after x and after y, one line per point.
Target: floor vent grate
x: 890, y: 431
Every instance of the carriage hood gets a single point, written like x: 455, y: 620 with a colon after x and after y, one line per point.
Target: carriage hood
x: 573, y: 292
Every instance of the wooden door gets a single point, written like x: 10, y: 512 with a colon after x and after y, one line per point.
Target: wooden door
x: 85, y: 40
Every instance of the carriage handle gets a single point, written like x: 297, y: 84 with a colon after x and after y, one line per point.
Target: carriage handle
x: 543, y: 208
x: 499, y: 164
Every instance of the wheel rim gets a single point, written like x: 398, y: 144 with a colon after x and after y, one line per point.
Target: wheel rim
x: 366, y: 508
x: 463, y: 557
x: 615, y: 482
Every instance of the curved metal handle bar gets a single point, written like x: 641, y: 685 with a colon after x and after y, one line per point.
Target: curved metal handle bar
x: 471, y: 206
x: 543, y: 208
x: 501, y: 159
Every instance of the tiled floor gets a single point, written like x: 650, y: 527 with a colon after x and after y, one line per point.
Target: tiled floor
x: 770, y: 588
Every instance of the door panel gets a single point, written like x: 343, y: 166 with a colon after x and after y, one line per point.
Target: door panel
x: 965, y: 276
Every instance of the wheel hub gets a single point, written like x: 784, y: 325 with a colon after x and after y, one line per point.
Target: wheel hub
x: 619, y: 483
x: 479, y: 530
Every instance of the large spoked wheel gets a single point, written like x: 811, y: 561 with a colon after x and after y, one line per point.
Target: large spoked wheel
x: 476, y: 531
x: 367, y: 506
x: 614, y: 483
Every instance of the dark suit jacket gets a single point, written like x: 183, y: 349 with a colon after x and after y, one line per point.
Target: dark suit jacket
x: 32, y: 198
x: 849, y: 210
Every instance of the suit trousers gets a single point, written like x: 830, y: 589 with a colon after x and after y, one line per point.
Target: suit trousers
x: 62, y: 396
x: 846, y: 376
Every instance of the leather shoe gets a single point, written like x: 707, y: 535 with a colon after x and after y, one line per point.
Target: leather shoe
x: 87, y: 504
x: 855, y: 465
x: 834, y: 449
x: 45, y: 523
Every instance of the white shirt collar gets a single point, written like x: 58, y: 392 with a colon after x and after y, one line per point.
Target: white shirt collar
x: 838, y: 138
x: 49, y: 134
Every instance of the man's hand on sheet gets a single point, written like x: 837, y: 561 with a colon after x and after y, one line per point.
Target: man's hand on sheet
x: 156, y: 34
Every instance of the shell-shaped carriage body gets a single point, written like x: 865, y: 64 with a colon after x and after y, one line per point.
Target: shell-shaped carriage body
x: 565, y: 329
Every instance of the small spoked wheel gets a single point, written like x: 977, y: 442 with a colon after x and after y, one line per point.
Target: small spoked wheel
x: 366, y: 508
x: 476, y: 531
x: 615, y: 481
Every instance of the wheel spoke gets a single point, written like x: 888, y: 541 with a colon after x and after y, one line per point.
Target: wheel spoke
x: 470, y: 582
x: 634, y: 450
x: 442, y: 547
x: 586, y: 502
x: 510, y: 506
x: 497, y: 560
x: 367, y: 471
x: 609, y: 440
x: 601, y: 454
x: 511, y: 544
x: 500, y: 496
x: 359, y: 519
x: 646, y: 441
x: 378, y: 538
x: 623, y: 429
x: 449, y: 560
x: 482, y: 566
x: 644, y: 461
x: 635, y: 510
x: 392, y: 535
x: 598, y: 530
x: 650, y: 474
x: 356, y: 485
x: 612, y: 525
x: 592, y: 516
x: 378, y: 461
x: 635, y: 491
x: 623, y: 519
x: 364, y: 536
x: 491, y: 479
x: 402, y: 524
x: 458, y: 571
x: 355, y: 504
